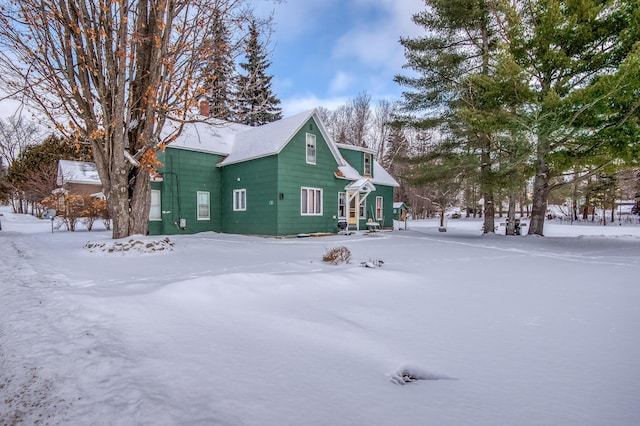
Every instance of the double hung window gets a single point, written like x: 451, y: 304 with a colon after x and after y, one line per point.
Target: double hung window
x: 154, y: 212
x: 378, y: 208
x: 310, y: 201
x: 342, y: 204
x: 239, y: 200
x: 311, y: 148
x: 368, y: 160
x: 203, y: 210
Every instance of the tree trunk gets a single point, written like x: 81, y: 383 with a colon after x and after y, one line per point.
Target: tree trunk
x: 511, y: 214
x: 487, y: 192
x: 539, y: 203
x: 540, y: 187
x: 140, y: 203
x: 489, y: 213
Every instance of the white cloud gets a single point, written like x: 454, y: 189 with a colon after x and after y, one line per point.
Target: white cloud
x: 9, y: 107
x: 295, y: 105
x: 376, y: 42
x: 340, y: 82
x: 295, y: 17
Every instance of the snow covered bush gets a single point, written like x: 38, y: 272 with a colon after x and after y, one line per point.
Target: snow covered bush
x: 337, y: 255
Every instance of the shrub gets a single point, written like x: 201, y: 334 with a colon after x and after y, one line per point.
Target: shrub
x: 337, y: 255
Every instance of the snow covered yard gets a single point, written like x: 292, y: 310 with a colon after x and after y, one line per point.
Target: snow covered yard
x: 235, y: 330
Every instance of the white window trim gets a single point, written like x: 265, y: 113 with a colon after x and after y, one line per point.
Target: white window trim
x: 239, y: 204
x: 158, y: 215
x: 381, y: 209
x: 345, y: 209
x: 305, y: 203
x: 362, y: 208
x: 310, y: 140
x: 364, y: 165
x: 198, y: 216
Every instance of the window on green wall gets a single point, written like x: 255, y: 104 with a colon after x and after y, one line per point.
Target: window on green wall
x: 362, y: 208
x: 155, y: 213
x: 368, y: 160
x: 203, y: 205
x: 239, y: 200
x: 342, y: 204
x: 311, y: 148
x: 378, y: 208
x: 311, y: 201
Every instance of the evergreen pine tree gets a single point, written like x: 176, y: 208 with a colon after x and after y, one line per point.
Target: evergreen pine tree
x: 256, y: 101
x: 219, y: 70
x: 454, y: 61
x: 582, y: 62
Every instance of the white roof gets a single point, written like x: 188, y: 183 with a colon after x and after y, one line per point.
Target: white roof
x: 361, y: 185
x: 77, y: 172
x: 381, y: 176
x: 355, y: 148
x: 397, y: 205
x: 239, y: 143
x: 213, y: 136
x: 271, y: 138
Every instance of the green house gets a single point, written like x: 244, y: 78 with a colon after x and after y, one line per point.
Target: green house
x: 283, y: 178
x: 400, y: 210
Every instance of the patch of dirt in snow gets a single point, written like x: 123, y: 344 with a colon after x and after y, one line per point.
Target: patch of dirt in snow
x: 139, y: 245
x: 28, y: 399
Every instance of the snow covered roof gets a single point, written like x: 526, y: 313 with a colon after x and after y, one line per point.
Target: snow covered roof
x: 355, y: 148
x: 77, y: 172
x: 213, y: 136
x: 361, y: 185
x: 271, y: 138
x: 240, y: 143
x: 381, y: 176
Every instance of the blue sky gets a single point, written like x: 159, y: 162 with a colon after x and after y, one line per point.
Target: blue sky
x: 325, y: 52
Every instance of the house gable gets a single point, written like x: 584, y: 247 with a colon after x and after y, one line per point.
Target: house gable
x: 272, y: 138
x: 296, y: 174
x: 358, y: 157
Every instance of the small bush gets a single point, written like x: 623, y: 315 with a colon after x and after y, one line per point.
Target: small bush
x: 337, y: 255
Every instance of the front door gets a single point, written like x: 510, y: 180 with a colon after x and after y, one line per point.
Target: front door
x: 352, y: 217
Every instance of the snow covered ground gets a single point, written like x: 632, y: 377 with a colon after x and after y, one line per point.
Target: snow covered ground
x: 237, y: 330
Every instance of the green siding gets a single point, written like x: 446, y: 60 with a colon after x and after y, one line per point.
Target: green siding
x: 258, y: 177
x: 356, y: 159
x: 273, y: 190
x: 184, y: 174
x: 295, y: 173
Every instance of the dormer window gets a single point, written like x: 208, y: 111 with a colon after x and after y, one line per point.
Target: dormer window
x: 368, y: 160
x: 311, y: 148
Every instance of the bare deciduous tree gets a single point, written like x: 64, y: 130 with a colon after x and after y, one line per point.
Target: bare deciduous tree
x: 121, y: 75
x: 16, y: 133
x: 360, y: 105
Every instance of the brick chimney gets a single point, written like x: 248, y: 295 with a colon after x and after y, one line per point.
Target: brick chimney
x: 204, y: 107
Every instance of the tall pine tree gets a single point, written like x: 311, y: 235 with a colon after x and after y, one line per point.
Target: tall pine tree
x: 453, y: 60
x: 219, y: 71
x: 584, y: 74
x: 256, y: 101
